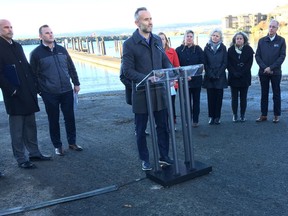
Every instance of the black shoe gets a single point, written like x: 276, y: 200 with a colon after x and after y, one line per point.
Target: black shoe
x: 235, y: 118
x: 211, y: 121
x: 146, y: 133
x: 75, y: 147
x: 166, y: 161
x: 242, y: 118
x: 59, y: 151
x: 40, y: 158
x: 27, y: 165
x: 217, y: 121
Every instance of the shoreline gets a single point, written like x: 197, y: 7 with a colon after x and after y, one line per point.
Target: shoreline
x: 114, y: 62
x: 106, y: 61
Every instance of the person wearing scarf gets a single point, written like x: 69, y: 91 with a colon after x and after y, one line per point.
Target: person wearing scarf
x: 215, y: 63
x: 240, y: 60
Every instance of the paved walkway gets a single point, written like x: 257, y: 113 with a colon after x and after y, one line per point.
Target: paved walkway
x: 249, y: 162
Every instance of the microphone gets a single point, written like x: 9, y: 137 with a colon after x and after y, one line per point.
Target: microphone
x: 159, y: 48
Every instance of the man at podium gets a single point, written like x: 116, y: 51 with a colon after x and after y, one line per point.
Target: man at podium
x: 142, y: 53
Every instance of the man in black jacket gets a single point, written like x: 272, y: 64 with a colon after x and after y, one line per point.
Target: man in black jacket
x: 20, y: 98
x: 54, y: 68
x: 270, y: 55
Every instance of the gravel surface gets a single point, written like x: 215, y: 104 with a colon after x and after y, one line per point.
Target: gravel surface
x: 249, y: 165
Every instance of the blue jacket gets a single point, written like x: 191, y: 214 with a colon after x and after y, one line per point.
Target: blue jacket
x: 270, y: 54
x: 139, y: 59
x: 53, y: 69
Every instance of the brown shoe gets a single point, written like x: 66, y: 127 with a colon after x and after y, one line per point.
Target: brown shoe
x: 261, y: 119
x: 276, y: 119
x: 75, y: 147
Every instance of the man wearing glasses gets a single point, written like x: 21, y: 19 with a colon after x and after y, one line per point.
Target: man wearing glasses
x: 270, y: 55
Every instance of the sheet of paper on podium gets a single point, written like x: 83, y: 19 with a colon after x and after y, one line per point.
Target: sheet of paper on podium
x: 11, y: 75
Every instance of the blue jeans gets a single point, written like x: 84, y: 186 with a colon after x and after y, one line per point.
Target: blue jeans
x: 162, y: 133
x: 65, y: 102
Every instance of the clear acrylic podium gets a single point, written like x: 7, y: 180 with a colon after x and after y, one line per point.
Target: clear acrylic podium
x: 181, y: 170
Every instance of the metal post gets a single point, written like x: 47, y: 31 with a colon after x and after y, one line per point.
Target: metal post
x: 188, y: 121
x: 171, y: 124
x: 183, y: 118
x: 152, y: 125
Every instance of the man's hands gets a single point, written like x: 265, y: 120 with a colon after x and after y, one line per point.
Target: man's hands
x: 268, y: 71
x: 76, y: 89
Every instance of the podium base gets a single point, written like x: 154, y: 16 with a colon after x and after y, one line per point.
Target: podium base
x: 166, y: 175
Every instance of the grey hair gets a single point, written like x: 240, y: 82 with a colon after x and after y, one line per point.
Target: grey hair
x: 273, y: 20
x: 218, y: 31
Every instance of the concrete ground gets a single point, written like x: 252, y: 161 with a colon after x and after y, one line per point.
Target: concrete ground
x: 249, y: 165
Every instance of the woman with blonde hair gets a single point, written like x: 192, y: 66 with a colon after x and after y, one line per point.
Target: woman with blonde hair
x: 190, y: 54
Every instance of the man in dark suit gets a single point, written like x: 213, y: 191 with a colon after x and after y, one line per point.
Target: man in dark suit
x: 141, y: 54
x: 20, y: 98
x: 270, y: 55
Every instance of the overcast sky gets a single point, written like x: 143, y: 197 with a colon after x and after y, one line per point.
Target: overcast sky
x: 65, y: 16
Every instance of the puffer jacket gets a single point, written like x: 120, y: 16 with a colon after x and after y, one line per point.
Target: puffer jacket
x: 54, y: 69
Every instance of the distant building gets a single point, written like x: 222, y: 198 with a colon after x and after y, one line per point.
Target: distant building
x: 246, y: 22
x: 243, y: 22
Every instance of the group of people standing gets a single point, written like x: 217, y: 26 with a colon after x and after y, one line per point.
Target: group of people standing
x: 48, y: 74
x: 141, y: 55
x: 238, y: 61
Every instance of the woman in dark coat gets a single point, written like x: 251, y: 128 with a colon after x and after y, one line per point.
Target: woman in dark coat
x: 240, y: 60
x: 190, y: 54
x: 215, y: 58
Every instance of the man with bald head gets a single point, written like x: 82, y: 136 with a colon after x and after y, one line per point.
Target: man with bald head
x: 270, y: 55
x: 20, y: 98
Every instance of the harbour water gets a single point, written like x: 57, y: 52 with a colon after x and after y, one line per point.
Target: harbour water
x: 94, y: 78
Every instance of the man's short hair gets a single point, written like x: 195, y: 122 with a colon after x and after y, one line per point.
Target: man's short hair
x: 43, y: 26
x: 136, y: 14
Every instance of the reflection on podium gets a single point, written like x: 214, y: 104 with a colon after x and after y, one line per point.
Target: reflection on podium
x: 181, y: 170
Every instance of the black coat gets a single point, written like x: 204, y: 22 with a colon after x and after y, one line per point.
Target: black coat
x: 24, y: 102
x: 191, y: 56
x: 270, y: 54
x: 239, y: 66
x: 215, y: 67
x: 139, y: 59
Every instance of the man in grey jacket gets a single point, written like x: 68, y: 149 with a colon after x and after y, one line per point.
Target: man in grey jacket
x: 141, y: 54
x: 53, y: 67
